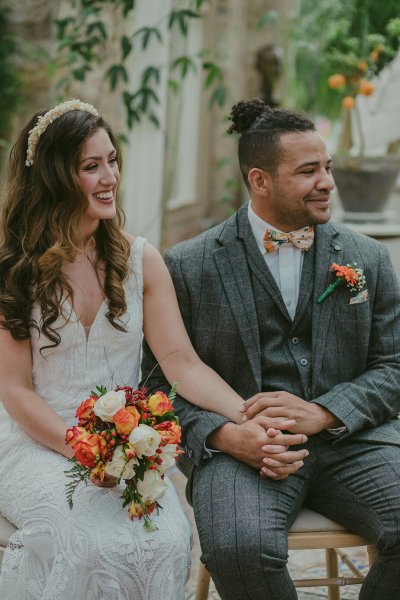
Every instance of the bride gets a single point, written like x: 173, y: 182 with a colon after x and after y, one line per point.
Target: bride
x: 76, y: 294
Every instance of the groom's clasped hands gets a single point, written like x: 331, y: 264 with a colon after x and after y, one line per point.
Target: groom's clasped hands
x: 275, y: 422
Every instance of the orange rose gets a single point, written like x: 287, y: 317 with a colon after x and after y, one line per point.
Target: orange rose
x: 126, y: 419
x: 366, y: 88
x: 348, y: 102
x: 336, y: 81
x: 84, y: 412
x: 75, y: 435
x: 88, y: 451
x: 170, y: 432
x: 159, y: 404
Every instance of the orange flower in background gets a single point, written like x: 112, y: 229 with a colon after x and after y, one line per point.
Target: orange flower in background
x: 366, y: 87
x: 84, y: 411
x: 89, y: 450
x: 126, y: 419
x: 170, y: 432
x: 159, y: 404
x: 336, y: 81
x: 362, y: 65
x: 348, y: 102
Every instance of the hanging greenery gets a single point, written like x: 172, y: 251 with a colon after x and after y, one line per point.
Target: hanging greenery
x: 84, y: 36
x: 10, y: 80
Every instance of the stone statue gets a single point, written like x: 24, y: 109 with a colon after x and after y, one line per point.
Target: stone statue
x: 269, y: 63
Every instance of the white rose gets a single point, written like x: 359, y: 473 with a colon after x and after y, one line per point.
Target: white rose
x: 152, y: 487
x: 168, y: 456
x: 118, y: 467
x: 108, y: 404
x: 145, y: 440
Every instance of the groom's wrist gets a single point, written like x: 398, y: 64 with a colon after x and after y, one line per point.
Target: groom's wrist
x: 220, y: 438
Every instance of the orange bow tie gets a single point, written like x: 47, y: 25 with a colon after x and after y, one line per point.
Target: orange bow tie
x: 301, y: 238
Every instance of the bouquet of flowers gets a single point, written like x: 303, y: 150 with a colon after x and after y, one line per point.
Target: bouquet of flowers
x: 125, y: 435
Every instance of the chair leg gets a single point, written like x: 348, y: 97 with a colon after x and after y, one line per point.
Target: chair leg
x: 332, y: 570
x: 203, y: 583
x: 371, y: 549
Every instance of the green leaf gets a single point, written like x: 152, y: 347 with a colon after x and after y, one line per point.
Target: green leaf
x: 127, y: 6
x: 174, y: 85
x: 214, y: 72
x: 154, y: 119
x: 97, y: 26
x: 149, y: 74
x: 123, y: 138
x: 78, y: 473
x: 80, y: 73
x: 180, y: 18
x: 126, y: 46
x: 268, y: 18
x: 133, y: 117
x: 62, y: 25
x: 183, y: 63
x: 172, y: 394
x: 115, y: 74
x: 219, y: 96
x: 146, y: 34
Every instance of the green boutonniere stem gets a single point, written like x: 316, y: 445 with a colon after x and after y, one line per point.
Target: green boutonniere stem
x: 330, y: 289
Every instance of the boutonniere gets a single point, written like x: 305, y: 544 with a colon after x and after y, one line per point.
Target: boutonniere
x: 351, y: 275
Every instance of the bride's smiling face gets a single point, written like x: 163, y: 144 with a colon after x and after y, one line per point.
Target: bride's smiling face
x: 98, y: 175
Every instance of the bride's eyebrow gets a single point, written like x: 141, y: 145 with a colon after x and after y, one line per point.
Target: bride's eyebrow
x: 112, y: 153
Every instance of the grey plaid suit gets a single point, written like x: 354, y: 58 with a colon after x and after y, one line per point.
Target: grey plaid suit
x: 354, y: 478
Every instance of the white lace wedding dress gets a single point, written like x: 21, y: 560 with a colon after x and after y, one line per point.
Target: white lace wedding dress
x: 94, y: 551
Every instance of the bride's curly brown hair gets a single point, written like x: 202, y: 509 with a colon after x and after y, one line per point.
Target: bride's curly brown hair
x: 42, y: 206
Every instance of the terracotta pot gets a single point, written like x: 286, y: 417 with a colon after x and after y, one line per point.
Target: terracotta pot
x: 365, y: 184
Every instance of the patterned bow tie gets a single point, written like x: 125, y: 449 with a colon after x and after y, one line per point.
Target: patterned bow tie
x: 301, y: 238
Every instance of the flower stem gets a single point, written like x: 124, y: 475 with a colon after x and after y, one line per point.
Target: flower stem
x: 329, y: 289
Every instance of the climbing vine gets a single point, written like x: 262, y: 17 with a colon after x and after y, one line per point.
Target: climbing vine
x: 85, y: 36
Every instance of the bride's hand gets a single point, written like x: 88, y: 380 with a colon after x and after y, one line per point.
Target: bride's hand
x: 109, y: 481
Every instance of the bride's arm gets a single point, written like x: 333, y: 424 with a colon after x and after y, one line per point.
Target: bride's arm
x: 166, y: 335
x: 23, y: 405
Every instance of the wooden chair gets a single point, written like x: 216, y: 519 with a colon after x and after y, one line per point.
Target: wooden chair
x: 312, y: 531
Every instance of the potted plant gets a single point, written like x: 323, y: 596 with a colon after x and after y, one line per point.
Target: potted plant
x: 342, y: 47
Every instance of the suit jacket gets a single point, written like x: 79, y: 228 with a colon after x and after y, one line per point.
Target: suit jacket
x: 355, y: 346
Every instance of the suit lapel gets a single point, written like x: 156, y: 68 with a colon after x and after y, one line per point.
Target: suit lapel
x: 232, y: 265
x: 306, y: 284
x: 262, y: 272
x: 328, y: 249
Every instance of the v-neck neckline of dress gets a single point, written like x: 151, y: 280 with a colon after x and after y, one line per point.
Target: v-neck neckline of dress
x: 87, y: 329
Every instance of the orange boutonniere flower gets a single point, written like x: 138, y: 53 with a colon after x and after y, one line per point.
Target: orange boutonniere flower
x: 350, y: 274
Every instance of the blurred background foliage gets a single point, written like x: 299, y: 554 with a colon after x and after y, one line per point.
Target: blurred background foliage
x: 330, y: 36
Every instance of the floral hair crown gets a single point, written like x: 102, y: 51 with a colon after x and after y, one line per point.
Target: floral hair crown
x: 44, y: 121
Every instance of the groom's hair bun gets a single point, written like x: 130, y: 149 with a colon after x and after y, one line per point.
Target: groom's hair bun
x: 260, y: 128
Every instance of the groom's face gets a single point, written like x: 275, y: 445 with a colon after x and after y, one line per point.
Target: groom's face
x: 299, y: 189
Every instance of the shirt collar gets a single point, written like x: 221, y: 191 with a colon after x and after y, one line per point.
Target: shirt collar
x: 258, y: 227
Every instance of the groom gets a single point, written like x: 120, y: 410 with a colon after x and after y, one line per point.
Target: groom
x: 253, y: 302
